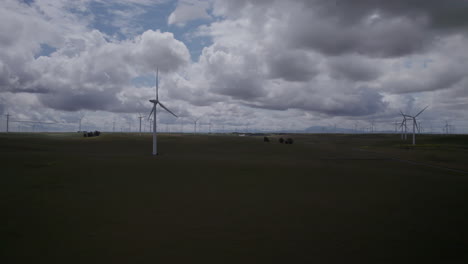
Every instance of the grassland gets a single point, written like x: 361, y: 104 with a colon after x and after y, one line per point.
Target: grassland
x: 230, y: 199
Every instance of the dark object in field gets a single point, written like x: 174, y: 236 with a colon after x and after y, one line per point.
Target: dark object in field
x: 91, y: 134
x: 266, y: 139
x: 281, y: 140
x: 289, y: 141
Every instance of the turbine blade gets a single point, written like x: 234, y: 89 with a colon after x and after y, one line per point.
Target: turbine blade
x: 157, y: 84
x: 421, y: 111
x: 152, y: 110
x: 165, y: 108
x: 402, y: 123
x: 416, y: 124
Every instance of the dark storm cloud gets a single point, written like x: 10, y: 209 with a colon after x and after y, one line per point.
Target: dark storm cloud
x: 353, y: 69
x: 105, y: 100
x: 373, y: 28
x: 440, y: 14
x: 369, y: 103
x: 238, y: 86
x: 67, y: 101
x: 378, y: 36
x: 354, y: 101
x: 446, y: 78
x: 292, y: 66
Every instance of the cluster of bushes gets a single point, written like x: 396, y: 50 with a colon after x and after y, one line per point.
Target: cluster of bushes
x: 281, y: 140
x: 286, y: 141
x: 91, y: 134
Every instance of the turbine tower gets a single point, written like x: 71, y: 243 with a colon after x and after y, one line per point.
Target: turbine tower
x: 156, y: 102
x: 140, y: 117
x: 415, y: 124
x: 7, y: 121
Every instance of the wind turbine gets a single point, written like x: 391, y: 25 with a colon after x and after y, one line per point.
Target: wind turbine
x: 81, y: 118
x: 415, y: 123
x: 446, y: 128
x: 154, y: 111
x: 403, y: 126
x: 372, y: 127
x: 7, y: 121
x: 195, y: 125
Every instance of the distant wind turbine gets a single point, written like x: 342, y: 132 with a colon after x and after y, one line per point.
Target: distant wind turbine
x: 7, y: 121
x: 140, y: 117
x: 156, y: 102
x: 81, y: 118
x: 403, y: 126
x: 195, y: 124
x: 446, y: 127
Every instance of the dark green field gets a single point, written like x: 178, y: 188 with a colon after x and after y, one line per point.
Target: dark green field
x: 229, y: 199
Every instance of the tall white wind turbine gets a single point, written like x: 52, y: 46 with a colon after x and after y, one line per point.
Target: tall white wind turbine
x: 415, y: 124
x: 154, y: 111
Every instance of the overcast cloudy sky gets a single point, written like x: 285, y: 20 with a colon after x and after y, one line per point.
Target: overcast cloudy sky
x: 263, y: 64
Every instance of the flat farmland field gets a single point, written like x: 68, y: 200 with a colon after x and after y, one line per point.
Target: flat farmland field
x: 326, y: 198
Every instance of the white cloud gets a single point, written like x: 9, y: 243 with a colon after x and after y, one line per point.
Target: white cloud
x: 188, y: 10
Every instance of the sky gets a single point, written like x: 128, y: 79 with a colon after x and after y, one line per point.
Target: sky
x: 263, y: 65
